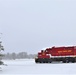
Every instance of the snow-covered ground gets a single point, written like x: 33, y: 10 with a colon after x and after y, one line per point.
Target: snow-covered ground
x: 29, y: 67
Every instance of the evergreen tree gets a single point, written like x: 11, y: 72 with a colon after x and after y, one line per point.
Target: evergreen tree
x: 1, y: 55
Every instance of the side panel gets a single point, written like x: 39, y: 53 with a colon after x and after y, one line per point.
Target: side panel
x: 75, y: 51
x: 63, y: 51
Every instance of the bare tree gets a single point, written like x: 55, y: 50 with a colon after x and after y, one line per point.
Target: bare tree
x: 20, y: 55
x: 13, y: 55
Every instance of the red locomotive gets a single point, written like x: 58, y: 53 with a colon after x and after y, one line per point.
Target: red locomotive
x: 64, y: 54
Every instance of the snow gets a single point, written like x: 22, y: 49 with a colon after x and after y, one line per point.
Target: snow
x: 29, y: 67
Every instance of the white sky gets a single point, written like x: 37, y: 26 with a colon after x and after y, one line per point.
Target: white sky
x: 30, y: 25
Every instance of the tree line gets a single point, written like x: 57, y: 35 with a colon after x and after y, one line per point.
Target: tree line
x: 20, y: 55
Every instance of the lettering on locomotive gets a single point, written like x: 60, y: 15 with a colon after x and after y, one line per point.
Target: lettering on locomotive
x: 64, y: 51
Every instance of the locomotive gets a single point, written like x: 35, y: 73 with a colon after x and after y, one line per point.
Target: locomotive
x: 59, y: 54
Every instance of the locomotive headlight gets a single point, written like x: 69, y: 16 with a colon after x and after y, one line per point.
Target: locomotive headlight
x: 36, y: 57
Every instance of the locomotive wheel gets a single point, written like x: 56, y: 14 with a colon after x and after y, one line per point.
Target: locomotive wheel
x: 73, y: 61
x: 66, y: 60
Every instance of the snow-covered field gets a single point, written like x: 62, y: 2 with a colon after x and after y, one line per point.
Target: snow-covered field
x: 29, y: 67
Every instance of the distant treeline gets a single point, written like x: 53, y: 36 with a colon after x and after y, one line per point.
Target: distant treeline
x: 20, y: 55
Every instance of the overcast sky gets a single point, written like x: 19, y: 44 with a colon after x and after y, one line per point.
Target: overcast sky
x: 30, y: 25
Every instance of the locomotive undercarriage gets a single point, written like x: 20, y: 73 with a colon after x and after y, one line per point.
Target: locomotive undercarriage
x: 61, y: 59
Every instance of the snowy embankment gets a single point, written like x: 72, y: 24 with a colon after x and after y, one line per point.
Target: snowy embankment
x: 28, y: 66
